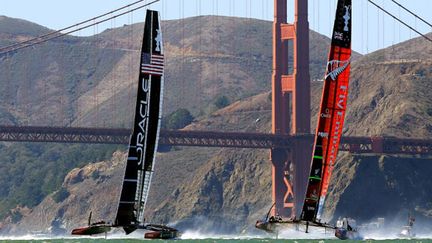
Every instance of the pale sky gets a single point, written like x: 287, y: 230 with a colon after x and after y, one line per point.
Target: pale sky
x: 372, y: 29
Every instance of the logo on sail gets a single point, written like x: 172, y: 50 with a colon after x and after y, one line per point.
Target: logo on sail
x: 338, y: 35
x: 347, y: 17
x: 143, y: 114
x: 336, y: 67
x: 158, y: 40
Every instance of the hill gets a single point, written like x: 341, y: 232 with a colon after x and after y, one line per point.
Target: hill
x: 76, y: 81
x: 89, y: 81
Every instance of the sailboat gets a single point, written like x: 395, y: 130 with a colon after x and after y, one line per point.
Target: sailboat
x: 330, y: 124
x: 143, y: 142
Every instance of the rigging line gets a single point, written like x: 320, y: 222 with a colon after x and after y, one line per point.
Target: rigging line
x: 415, y: 15
x: 383, y: 30
x: 411, y: 28
x: 69, y: 27
x: 367, y: 27
x: 3, y: 51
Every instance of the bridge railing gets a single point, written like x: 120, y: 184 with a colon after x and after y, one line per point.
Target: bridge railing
x: 378, y: 145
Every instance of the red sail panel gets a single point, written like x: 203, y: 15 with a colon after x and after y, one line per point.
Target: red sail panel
x: 332, y: 113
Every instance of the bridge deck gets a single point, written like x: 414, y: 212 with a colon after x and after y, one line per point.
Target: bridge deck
x: 386, y: 145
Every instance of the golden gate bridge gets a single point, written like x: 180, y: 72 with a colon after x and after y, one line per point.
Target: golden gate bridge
x: 361, y: 144
x: 290, y: 140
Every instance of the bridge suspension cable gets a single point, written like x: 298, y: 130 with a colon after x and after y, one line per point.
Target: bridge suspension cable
x: 58, y: 33
x: 402, y: 22
x: 412, y: 13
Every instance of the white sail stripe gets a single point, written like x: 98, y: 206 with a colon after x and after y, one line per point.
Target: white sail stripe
x: 153, y: 73
x: 152, y: 65
x: 146, y: 189
x: 153, y: 68
x: 127, y: 202
x: 130, y: 180
x: 154, y: 62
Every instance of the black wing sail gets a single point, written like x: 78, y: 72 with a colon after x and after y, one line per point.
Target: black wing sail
x: 144, y: 138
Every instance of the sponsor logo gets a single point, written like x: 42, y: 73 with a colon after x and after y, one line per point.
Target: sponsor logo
x: 347, y: 17
x: 323, y: 134
x: 342, y: 96
x: 326, y: 114
x: 337, y: 132
x: 143, y: 116
x: 336, y: 67
x: 338, y: 35
x: 158, y: 40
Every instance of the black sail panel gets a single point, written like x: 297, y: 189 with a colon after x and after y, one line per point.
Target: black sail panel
x: 144, y: 139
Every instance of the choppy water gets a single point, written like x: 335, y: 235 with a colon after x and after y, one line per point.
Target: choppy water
x: 213, y: 240
x: 191, y: 237
x: 318, y: 236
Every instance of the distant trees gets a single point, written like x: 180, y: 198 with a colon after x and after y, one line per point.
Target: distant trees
x: 61, y: 195
x: 32, y: 171
x: 177, y: 120
x: 221, y: 102
x: 173, y: 121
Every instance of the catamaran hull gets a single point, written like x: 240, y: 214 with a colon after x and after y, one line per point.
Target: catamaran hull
x: 157, y: 231
x: 161, y: 235
x: 277, y: 225
x: 91, y: 230
x: 266, y: 226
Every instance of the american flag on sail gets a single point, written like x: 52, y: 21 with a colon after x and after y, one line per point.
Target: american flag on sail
x: 152, y: 64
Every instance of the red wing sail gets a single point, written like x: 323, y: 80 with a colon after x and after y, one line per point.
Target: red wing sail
x: 332, y: 113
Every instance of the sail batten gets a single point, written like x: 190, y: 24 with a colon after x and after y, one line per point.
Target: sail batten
x: 332, y: 114
x: 143, y: 141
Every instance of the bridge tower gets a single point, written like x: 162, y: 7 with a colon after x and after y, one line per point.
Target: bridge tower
x: 290, y: 108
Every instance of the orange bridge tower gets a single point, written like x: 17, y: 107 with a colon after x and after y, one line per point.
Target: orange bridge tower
x: 290, y: 107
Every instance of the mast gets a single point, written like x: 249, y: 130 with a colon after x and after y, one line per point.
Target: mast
x: 144, y: 138
x: 331, y: 115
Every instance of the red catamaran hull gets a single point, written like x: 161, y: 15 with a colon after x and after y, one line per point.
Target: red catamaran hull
x: 91, y: 230
x: 161, y: 235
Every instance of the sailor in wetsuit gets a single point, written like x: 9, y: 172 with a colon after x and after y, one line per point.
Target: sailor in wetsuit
x: 344, y: 231
x: 275, y: 219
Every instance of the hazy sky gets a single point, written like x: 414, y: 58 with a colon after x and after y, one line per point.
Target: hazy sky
x: 372, y: 28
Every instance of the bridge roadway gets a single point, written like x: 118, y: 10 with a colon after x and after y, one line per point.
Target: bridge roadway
x: 380, y: 145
